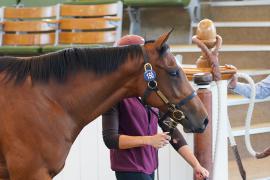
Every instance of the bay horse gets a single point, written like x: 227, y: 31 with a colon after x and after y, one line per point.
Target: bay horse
x: 46, y: 100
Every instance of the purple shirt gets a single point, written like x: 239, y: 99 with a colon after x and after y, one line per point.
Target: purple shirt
x: 130, y: 117
x: 134, y: 121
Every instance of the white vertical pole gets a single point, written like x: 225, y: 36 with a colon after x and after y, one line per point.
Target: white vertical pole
x: 163, y: 162
x: 220, y: 150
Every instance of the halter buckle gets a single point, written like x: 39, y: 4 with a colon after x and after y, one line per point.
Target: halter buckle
x: 170, y: 123
x: 178, y: 115
x: 149, y: 74
x: 147, y: 66
x: 152, y: 85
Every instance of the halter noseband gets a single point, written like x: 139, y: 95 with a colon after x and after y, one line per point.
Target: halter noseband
x: 173, y: 109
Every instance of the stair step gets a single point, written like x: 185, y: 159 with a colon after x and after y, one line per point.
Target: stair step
x: 240, y: 24
x: 257, y: 56
x: 255, y: 129
x: 265, y: 178
x: 259, y: 143
x: 251, y: 3
x: 225, y: 48
x: 242, y: 32
x: 255, y: 72
x: 256, y: 169
x: 258, y: 10
x: 234, y: 100
x: 237, y: 113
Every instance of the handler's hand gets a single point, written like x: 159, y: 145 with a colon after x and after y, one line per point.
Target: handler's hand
x: 159, y: 140
x: 201, y: 173
x: 233, y: 82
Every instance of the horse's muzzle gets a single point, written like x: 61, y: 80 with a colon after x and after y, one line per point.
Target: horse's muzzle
x: 198, y: 129
x: 201, y: 129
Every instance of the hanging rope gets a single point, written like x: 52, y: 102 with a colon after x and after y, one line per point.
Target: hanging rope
x: 250, y: 149
x: 235, y: 150
x: 231, y: 137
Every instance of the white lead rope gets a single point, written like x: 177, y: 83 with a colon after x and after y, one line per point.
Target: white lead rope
x: 249, y: 112
x: 247, y: 121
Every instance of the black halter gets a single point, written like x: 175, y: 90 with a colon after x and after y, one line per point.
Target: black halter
x: 173, y: 109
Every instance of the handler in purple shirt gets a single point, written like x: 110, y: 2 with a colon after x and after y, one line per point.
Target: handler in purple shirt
x: 130, y: 132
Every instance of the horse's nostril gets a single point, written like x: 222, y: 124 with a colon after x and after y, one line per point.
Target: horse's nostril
x: 202, y: 129
x: 205, y: 122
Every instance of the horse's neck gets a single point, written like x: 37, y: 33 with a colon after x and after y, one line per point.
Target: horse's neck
x: 87, y: 95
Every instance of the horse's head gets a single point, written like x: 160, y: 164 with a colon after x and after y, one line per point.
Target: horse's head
x: 168, y: 87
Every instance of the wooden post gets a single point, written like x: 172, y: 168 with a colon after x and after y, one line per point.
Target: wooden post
x: 203, y: 142
x: 206, y: 33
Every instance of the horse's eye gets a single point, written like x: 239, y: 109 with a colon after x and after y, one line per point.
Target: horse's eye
x: 174, y: 73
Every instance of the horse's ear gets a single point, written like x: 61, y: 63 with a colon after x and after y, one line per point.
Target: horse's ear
x: 162, y: 39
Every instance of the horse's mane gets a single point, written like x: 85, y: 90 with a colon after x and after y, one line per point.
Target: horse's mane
x: 60, y: 64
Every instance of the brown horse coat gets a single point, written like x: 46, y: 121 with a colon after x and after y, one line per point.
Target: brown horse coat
x: 45, y: 101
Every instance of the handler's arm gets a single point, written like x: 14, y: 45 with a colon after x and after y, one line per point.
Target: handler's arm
x: 180, y: 145
x: 177, y: 140
x: 114, y: 140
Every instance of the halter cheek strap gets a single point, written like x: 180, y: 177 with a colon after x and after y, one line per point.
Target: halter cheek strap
x: 173, y: 109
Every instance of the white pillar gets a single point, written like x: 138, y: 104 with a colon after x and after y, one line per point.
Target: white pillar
x: 220, y: 150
